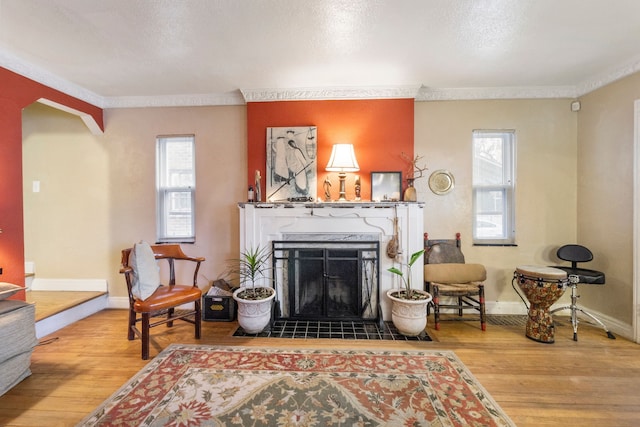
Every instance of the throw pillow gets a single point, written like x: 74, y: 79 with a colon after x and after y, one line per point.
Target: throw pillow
x: 8, y: 289
x: 146, y: 273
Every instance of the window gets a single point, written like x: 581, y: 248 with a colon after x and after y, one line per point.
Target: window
x: 493, y: 187
x: 176, y: 188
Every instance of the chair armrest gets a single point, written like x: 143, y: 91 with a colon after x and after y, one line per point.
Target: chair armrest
x: 173, y: 251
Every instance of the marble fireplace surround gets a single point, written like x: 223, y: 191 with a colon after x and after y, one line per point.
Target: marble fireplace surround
x: 263, y: 223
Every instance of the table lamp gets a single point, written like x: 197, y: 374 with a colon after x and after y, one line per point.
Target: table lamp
x: 343, y: 160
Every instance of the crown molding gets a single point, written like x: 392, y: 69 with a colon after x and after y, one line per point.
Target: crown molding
x: 479, y: 93
x: 192, y: 100
x: 336, y: 93
x: 19, y: 66
x: 610, y: 76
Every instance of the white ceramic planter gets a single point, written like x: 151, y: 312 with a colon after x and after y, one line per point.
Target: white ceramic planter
x: 409, y: 316
x: 254, y: 315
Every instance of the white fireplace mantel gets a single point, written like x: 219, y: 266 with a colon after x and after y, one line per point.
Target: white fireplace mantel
x: 262, y: 223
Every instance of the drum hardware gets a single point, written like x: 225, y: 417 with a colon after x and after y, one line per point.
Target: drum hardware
x: 573, y: 283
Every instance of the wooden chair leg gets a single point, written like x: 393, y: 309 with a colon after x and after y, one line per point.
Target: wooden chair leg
x: 198, y: 318
x: 483, y: 317
x: 169, y: 316
x: 436, y: 307
x: 460, y: 307
x: 145, y: 335
x: 132, y: 324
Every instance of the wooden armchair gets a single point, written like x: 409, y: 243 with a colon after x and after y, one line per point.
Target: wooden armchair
x: 163, y: 299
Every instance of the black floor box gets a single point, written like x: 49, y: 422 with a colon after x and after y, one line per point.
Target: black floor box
x: 221, y: 308
x: 218, y: 308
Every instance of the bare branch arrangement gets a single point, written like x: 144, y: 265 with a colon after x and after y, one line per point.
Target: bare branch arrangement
x: 414, y: 171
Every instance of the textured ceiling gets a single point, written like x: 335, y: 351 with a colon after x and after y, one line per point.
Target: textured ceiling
x: 200, y: 51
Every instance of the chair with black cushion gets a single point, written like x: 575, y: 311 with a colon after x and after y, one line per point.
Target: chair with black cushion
x: 576, y: 254
x: 149, y: 299
x: 446, y: 274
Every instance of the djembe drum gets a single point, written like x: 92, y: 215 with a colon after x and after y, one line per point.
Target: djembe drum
x: 542, y: 286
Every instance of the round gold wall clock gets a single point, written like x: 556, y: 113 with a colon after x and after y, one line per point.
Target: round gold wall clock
x: 441, y: 182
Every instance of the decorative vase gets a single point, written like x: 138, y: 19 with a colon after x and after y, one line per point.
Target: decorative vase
x: 254, y: 315
x: 409, y: 316
x: 410, y: 192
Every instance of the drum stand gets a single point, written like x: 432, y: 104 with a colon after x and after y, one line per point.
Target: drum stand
x: 573, y: 282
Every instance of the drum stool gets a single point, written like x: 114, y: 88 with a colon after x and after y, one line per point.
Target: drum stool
x: 578, y: 254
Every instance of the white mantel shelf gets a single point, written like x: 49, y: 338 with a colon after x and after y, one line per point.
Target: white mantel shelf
x: 263, y: 223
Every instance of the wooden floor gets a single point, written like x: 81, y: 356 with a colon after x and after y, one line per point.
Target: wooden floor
x: 592, y: 382
x: 49, y: 303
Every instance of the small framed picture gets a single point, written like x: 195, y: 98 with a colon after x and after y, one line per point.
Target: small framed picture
x: 386, y: 186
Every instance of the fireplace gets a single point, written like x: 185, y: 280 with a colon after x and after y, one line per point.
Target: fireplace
x: 326, y: 279
x: 328, y: 226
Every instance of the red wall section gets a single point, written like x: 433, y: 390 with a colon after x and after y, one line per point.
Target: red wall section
x: 380, y: 131
x: 17, y: 92
x: 23, y: 92
x: 11, y: 219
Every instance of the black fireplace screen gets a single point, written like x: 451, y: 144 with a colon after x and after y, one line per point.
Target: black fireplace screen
x: 326, y: 280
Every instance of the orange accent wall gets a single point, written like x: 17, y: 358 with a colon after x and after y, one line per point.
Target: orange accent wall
x: 17, y: 92
x: 380, y: 131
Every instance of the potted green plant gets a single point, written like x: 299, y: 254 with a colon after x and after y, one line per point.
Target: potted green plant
x: 409, y: 306
x: 254, y: 302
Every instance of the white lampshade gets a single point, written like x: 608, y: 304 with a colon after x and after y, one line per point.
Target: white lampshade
x: 343, y: 159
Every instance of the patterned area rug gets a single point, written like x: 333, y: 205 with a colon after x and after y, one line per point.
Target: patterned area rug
x: 189, y: 385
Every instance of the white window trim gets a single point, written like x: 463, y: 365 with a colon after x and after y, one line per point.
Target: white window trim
x: 508, y: 186
x: 162, y: 192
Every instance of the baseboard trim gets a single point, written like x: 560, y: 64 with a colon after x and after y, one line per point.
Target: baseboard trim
x: 43, y: 284
x: 119, y: 302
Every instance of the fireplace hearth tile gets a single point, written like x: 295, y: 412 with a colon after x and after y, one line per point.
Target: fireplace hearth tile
x: 346, y: 330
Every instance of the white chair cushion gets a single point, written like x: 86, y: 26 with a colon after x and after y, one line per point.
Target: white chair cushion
x: 146, y: 273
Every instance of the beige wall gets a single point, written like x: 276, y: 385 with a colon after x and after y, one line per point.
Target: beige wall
x: 106, y: 201
x: 605, y: 193
x: 66, y: 223
x: 545, y: 181
x: 220, y: 165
